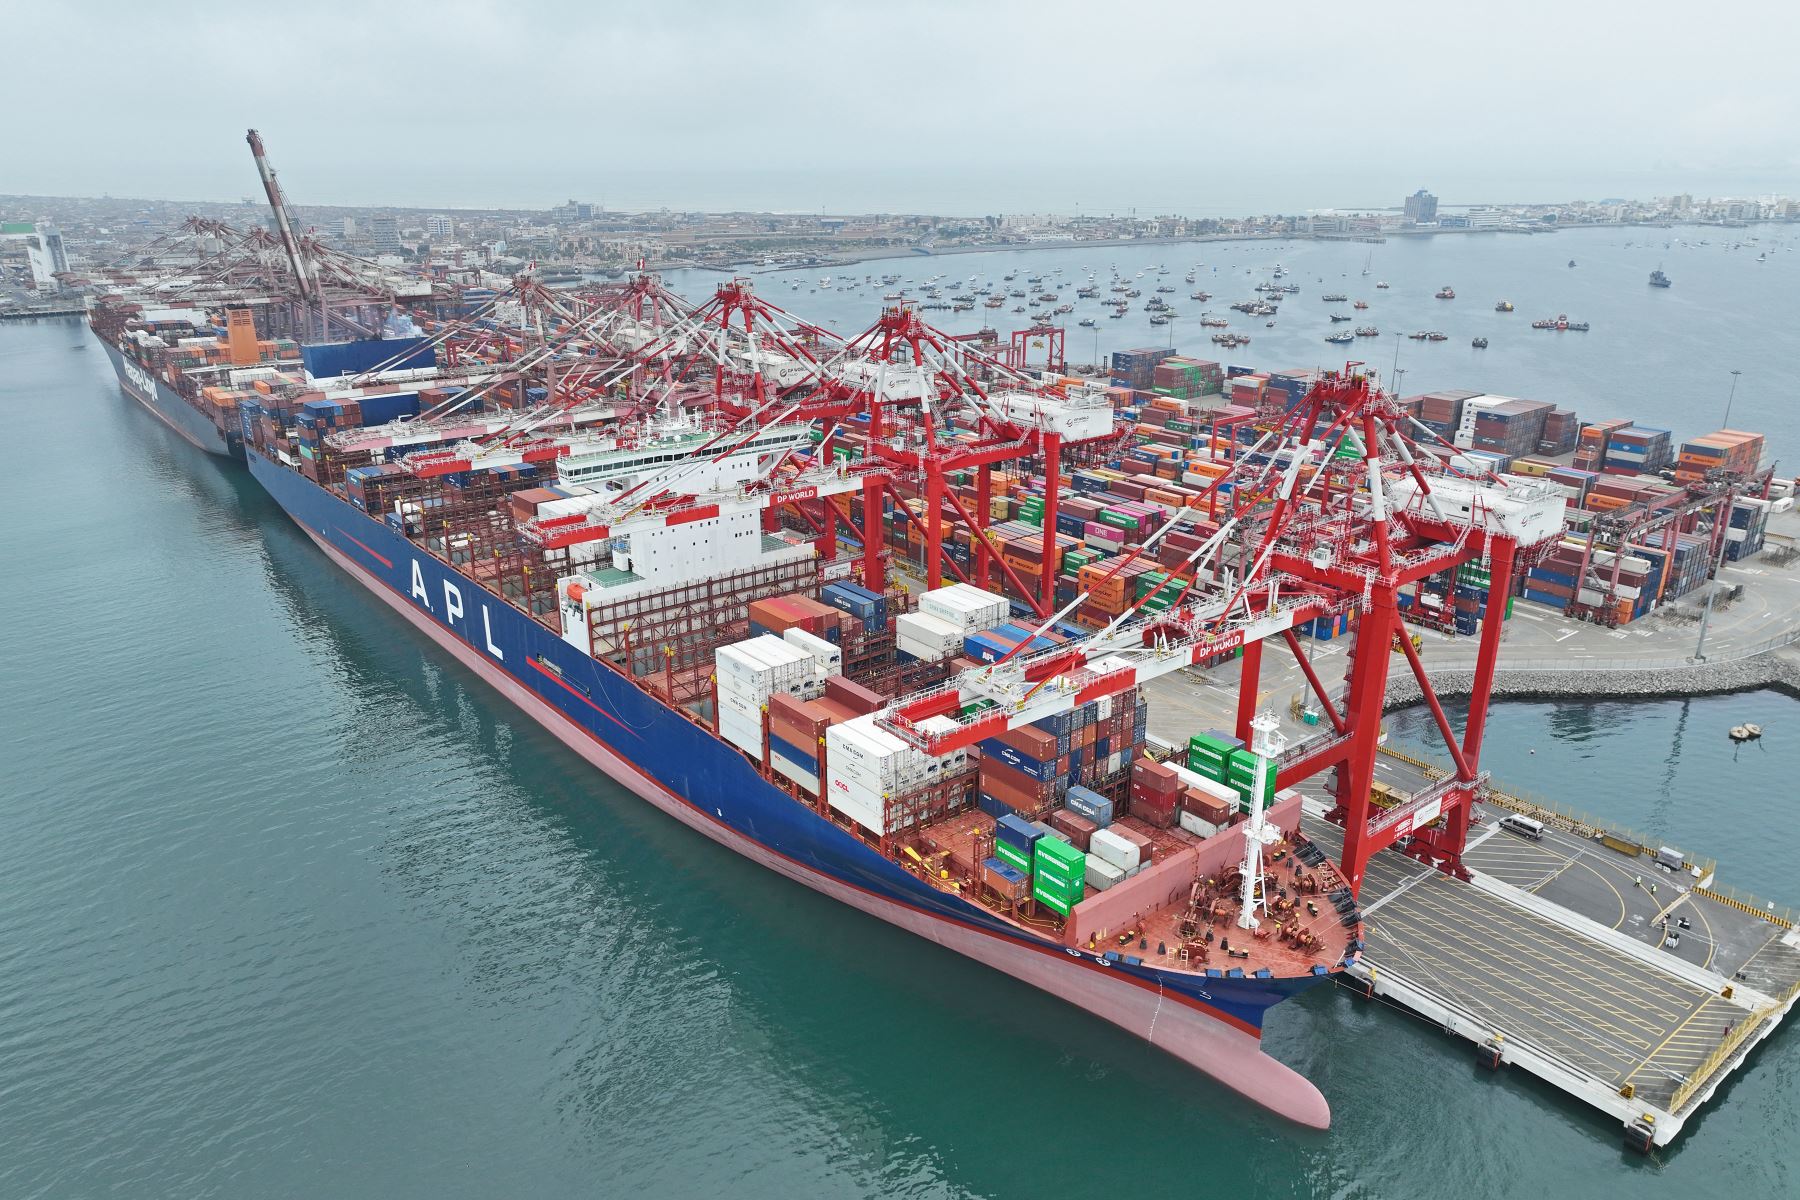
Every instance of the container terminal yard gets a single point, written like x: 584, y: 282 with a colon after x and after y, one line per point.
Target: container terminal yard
x: 1081, y: 676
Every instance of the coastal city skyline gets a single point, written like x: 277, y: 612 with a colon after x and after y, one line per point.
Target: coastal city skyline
x: 587, y: 234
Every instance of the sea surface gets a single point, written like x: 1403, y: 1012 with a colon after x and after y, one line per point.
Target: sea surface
x: 292, y: 905
x: 1659, y: 356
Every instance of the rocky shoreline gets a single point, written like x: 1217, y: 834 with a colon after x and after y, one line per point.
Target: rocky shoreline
x: 1770, y: 670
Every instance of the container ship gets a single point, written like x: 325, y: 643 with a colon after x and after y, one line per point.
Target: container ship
x: 193, y: 375
x: 605, y: 504
x: 202, y: 317
x: 707, y: 660
x: 592, y: 521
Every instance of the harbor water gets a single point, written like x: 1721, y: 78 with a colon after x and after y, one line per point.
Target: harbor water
x: 1662, y: 357
x: 292, y: 905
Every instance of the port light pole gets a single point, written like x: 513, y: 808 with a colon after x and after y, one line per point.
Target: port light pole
x: 1712, y: 588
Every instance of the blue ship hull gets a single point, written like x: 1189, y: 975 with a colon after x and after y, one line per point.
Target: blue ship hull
x: 681, y: 766
x: 168, y: 407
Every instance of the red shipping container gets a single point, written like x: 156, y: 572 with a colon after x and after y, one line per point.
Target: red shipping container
x: 998, y: 782
x: 1208, y: 808
x: 852, y: 695
x: 993, y: 770
x: 1156, y: 811
x: 798, y: 722
x: 1154, y: 779
x: 836, y: 711
x: 1031, y: 741
x: 1078, y: 829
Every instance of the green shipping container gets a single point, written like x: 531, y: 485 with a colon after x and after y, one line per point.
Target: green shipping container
x: 1241, y: 775
x: 1199, y: 764
x: 1061, y: 855
x: 1012, y: 856
x: 1211, y: 751
x: 1241, y: 766
x: 1055, y: 904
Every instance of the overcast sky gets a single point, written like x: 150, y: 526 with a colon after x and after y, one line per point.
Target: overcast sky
x: 964, y: 107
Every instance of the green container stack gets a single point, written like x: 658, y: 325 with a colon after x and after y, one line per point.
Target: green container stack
x: 1074, y: 560
x: 1240, y: 773
x: 1059, y: 877
x: 1473, y: 575
x: 1209, y: 756
x: 1012, y: 856
x: 1032, y: 511
x: 1158, y: 590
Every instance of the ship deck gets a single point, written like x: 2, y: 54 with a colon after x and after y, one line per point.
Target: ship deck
x: 1156, y: 935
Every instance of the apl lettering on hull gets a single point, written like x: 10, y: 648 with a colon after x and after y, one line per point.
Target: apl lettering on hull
x: 453, y: 611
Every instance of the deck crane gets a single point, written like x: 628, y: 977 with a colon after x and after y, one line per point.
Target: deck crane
x: 1341, y: 507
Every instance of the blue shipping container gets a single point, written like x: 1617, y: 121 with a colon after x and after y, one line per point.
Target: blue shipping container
x: 379, y: 410
x: 1006, y: 871
x: 1018, y: 760
x: 327, y: 360
x: 794, y: 754
x: 1016, y: 832
x: 1090, y: 805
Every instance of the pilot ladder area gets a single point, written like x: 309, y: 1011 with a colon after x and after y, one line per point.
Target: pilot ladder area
x: 1634, y: 988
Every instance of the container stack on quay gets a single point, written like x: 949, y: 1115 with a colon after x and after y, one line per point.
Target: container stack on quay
x: 1442, y: 412
x: 1184, y: 442
x: 1502, y: 426
x: 1744, y: 537
x: 1727, y: 450
x: 1637, y: 450
x: 1561, y: 430
x: 1180, y: 378
x: 1136, y: 369
x: 1591, y: 443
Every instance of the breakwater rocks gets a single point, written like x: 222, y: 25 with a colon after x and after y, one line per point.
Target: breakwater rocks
x: 1776, y: 669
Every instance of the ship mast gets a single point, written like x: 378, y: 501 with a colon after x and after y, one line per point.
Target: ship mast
x: 1268, y: 745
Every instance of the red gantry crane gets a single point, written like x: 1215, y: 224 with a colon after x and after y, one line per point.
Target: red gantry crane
x: 1343, y: 505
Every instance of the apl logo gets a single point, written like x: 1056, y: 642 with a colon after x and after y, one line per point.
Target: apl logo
x: 140, y: 377
x: 453, y: 610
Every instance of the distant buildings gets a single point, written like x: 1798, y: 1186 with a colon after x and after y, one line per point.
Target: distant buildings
x: 384, y: 235
x: 439, y: 228
x: 1421, y: 208
x: 573, y: 211
x: 43, y: 251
